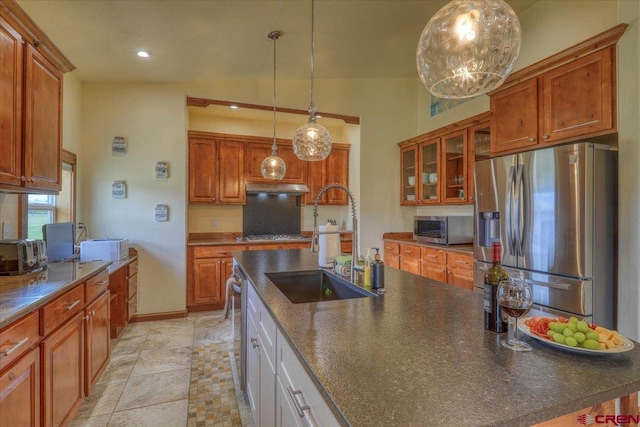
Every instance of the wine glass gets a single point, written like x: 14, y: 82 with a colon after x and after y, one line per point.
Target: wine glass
x: 515, y: 297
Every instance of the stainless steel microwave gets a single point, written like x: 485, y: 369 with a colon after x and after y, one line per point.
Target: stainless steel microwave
x: 443, y: 230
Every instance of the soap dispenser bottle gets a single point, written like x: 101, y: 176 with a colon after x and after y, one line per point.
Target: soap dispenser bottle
x: 377, y: 272
x: 367, y: 270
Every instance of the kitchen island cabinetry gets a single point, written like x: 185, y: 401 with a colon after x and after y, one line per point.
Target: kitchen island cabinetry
x: 416, y: 378
x: 216, y: 170
x: 566, y: 97
x: 31, y: 123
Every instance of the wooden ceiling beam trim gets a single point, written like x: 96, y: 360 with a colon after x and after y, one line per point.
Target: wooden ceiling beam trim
x: 204, y: 102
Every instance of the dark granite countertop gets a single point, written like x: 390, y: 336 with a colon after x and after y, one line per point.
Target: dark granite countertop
x: 21, y: 295
x: 419, y: 355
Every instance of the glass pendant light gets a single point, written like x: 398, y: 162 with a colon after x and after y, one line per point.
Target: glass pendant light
x: 468, y: 48
x: 312, y: 141
x: 273, y: 167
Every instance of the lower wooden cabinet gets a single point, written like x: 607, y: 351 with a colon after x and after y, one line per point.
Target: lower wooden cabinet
x: 446, y: 266
x: 208, y: 269
x: 63, y: 372
x: 97, y: 340
x: 20, y: 392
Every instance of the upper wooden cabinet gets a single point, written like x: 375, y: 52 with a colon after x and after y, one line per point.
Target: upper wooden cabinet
x: 216, y: 170
x: 220, y: 164
x: 258, y: 150
x: 332, y: 170
x: 568, y: 96
x: 437, y: 167
x: 31, y: 70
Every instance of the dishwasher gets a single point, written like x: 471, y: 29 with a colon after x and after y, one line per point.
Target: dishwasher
x: 236, y: 284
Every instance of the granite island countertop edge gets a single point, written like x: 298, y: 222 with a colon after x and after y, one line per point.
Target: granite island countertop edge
x: 343, y: 406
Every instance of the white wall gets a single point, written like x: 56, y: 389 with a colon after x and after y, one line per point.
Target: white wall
x: 152, y: 118
x: 629, y: 171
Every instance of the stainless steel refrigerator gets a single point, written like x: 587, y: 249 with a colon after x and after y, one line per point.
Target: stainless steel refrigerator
x: 555, y: 212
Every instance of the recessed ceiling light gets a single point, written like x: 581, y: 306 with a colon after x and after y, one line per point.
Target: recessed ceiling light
x: 233, y: 106
x: 143, y: 53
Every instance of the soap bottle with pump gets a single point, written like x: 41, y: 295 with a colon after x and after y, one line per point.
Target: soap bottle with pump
x: 367, y: 270
x: 377, y: 272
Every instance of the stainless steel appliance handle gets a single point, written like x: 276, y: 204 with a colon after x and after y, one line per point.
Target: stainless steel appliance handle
x: 509, y: 211
x: 519, y: 214
x: 559, y: 286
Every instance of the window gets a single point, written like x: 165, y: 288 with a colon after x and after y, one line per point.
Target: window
x: 40, y: 209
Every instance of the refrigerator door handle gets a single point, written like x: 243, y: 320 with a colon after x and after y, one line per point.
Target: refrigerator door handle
x: 519, y: 219
x: 510, y: 214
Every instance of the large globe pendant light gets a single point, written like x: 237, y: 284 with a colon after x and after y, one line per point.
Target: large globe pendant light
x: 312, y: 141
x: 273, y: 167
x: 469, y: 47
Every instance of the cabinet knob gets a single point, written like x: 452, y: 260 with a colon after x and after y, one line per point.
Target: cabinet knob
x: 545, y: 136
x: 213, y: 199
x: 23, y: 178
x: 532, y: 139
x: 12, y: 376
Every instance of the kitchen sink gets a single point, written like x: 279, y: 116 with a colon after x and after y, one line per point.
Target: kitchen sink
x: 315, y: 286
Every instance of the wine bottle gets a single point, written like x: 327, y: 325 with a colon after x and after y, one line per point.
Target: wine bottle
x: 493, y: 320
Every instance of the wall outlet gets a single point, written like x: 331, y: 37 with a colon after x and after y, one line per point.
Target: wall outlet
x: 6, y: 230
x: 214, y: 222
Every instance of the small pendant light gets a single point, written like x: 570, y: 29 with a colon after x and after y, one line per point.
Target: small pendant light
x: 469, y: 47
x: 312, y: 141
x: 273, y: 167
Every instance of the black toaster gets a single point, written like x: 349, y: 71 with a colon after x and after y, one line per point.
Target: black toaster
x: 22, y: 256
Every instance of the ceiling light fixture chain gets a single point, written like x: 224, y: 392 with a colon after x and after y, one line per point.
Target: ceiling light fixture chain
x: 312, y: 141
x: 274, y: 167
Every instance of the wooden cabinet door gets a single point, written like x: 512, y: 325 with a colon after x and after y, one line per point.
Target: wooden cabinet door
x: 97, y: 340
x: 461, y: 278
x: 434, y: 271
x: 337, y: 165
x: 578, y: 98
x: 203, y: 183
x: 230, y: 165
x: 453, y: 168
x: 428, y: 172
x: 514, y: 117
x: 11, y: 51
x: 118, y: 306
x: 63, y: 372
x: 478, y: 149
x: 316, y: 179
x: 296, y: 168
x: 410, y: 265
x: 408, y: 171
x: 207, y: 287
x: 42, y: 123
x: 286, y: 413
x: 253, y: 369
x: 20, y: 392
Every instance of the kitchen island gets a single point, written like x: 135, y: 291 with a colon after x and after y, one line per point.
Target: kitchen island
x: 419, y: 355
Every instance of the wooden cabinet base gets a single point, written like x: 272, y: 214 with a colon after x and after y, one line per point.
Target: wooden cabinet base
x: 20, y: 392
x: 63, y: 372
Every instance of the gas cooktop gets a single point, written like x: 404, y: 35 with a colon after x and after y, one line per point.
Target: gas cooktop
x: 257, y: 237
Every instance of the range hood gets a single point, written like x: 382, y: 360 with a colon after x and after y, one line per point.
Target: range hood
x: 275, y: 188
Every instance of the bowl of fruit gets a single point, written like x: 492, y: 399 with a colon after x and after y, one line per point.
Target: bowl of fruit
x: 575, y: 335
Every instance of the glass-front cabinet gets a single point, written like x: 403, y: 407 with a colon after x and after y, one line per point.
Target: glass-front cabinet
x: 454, y: 167
x: 408, y: 170
x: 479, y: 149
x: 429, y: 153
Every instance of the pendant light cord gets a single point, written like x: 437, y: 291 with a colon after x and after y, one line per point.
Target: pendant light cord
x: 274, y: 147
x: 312, y: 108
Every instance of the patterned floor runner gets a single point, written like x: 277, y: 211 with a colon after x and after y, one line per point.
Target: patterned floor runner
x: 212, y: 394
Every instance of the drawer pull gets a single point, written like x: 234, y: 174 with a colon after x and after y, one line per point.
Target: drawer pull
x: 459, y: 261
x: 73, y: 304
x: 432, y: 256
x: 299, y: 406
x: 222, y: 252
x: 15, y: 346
x: 408, y: 251
x: 101, y: 283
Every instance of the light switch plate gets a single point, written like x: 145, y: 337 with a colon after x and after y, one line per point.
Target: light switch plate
x: 6, y: 230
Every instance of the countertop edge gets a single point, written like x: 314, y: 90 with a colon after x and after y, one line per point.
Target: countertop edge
x: 39, y: 303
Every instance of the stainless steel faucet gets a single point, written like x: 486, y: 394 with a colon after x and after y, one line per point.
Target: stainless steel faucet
x: 354, y: 232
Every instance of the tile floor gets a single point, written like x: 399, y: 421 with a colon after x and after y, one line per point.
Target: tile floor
x: 168, y: 373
